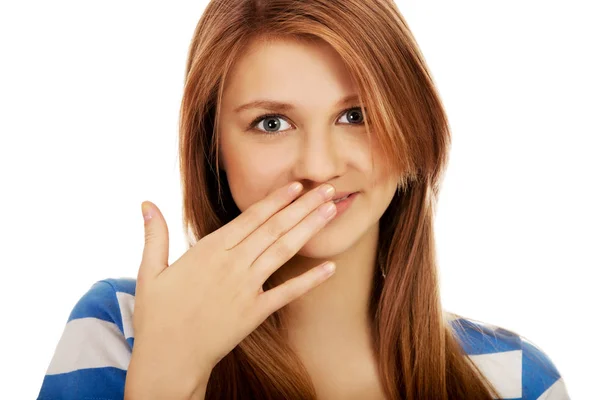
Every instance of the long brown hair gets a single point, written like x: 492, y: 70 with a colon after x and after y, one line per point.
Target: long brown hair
x: 418, y: 355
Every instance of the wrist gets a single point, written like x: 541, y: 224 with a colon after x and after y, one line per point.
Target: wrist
x: 149, y: 380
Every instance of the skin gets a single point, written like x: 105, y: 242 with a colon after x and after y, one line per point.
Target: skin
x: 316, y: 142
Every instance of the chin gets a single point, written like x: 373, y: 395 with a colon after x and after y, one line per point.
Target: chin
x: 329, y: 241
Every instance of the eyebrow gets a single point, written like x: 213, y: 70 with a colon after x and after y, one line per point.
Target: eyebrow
x: 282, y: 107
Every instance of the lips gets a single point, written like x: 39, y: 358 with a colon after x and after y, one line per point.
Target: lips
x: 341, y: 198
x: 342, y: 195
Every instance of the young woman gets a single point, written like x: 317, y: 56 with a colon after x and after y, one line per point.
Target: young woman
x: 333, y: 95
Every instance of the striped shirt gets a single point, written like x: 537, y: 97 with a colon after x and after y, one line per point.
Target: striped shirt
x: 91, y: 358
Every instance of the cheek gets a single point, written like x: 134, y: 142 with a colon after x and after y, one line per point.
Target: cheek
x: 378, y: 175
x: 252, y: 176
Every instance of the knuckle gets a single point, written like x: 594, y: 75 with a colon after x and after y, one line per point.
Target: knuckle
x: 255, y: 214
x: 302, y: 211
x: 239, y: 255
x: 149, y: 236
x: 252, y: 213
x: 273, y: 301
x: 282, y: 250
x: 275, y: 228
x: 227, y: 241
x: 289, y: 291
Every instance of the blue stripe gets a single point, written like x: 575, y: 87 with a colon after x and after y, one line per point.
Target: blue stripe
x: 85, y: 384
x: 481, y: 339
x: 539, y: 372
x: 100, y: 302
x: 125, y: 285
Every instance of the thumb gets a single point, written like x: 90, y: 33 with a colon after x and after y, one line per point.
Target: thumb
x: 156, y: 242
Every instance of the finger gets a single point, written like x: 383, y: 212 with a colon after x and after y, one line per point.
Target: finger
x: 291, y: 242
x: 282, y: 222
x: 256, y: 215
x: 273, y: 299
x: 156, y: 242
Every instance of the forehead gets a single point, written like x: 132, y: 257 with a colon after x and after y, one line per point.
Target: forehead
x: 307, y: 74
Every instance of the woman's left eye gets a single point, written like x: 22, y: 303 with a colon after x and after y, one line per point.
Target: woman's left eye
x: 270, y: 121
x: 356, y: 114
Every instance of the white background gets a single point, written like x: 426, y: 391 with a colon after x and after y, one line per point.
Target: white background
x: 89, y: 102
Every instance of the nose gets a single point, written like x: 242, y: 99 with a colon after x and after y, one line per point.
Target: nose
x: 319, y: 157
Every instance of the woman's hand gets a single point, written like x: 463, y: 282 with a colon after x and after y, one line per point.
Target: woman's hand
x: 190, y: 315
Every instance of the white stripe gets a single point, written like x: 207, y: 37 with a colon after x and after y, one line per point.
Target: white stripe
x: 90, y: 343
x: 558, y: 391
x: 503, y: 370
x: 126, y: 303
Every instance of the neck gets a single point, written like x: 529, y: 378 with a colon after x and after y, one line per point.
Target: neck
x: 336, y: 312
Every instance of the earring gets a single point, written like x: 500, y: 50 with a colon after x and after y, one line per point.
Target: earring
x: 382, y: 272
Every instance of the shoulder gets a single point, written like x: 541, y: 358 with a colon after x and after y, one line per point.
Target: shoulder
x: 514, y: 365
x: 108, y: 302
x: 93, y: 352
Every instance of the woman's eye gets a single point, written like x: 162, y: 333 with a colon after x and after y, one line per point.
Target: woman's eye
x: 355, y: 115
x: 271, y: 122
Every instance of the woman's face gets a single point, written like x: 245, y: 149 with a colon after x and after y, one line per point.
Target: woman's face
x: 316, y: 141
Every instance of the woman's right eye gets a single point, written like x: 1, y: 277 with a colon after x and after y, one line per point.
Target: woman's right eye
x: 270, y: 123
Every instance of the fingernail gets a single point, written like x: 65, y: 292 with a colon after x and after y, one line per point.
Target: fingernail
x: 327, y: 191
x: 146, y: 211
x: 327, y: 209
x: 294, y: 188
x: 329, y: 268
